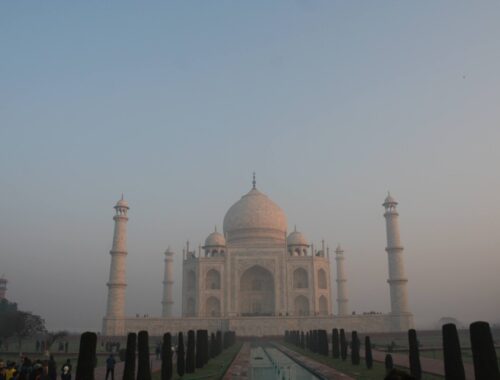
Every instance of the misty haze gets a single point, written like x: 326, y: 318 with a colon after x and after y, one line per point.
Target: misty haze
x: 272, y: 172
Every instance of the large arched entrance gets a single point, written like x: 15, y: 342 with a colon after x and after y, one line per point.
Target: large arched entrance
x: 256, y: 292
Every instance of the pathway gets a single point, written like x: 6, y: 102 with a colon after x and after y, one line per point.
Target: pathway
x: 314, y: 366
x: 240, y: 367
x: 100, y: 372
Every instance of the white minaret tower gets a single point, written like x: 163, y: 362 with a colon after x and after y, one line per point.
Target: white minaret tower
x: 116, y: 285
x: 397, y: 278
x: 342, y: 300
x: 168, y: 283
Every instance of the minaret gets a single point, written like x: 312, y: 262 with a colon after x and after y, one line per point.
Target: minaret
x: 3, y: 287
x: 397, y: 278
x: 117, y: 284
x: 342, y: 300
x: 168, y: 283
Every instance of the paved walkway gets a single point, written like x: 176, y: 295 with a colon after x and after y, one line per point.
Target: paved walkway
x: 429, y: 365
x: 240, y: 367
x: 100, y: 372
x: 314, y: 366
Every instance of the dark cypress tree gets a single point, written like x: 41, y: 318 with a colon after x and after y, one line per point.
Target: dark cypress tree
x: 302, y: 341
x: 355, y: 348
x: 415, y: 368
x: 368, y: 353
x: 213, y: 348
x: 389, y: 363
x: 143, y: 367
x: 343, y: 345
x: 452, y: 355
x: 166, y: 357
x: 323, y: 342
x: 129, y: 369
x: 190, y: 354
x: 335, y: 344
x: 199, y: 349
x: 218, y: 338
x: 206, y: 348
x: 315, y: 341
x: 86, y: 357
x: 483, y: 351
x: 180, y: 355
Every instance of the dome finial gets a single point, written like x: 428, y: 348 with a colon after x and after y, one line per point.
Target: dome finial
x: 254, y: 182
x: 215, y: 229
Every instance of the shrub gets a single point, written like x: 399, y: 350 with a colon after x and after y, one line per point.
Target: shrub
x: 218, y: 338
x: 389, y: 363
x: 143, y: 368
x: 86, y: 357
x: 483, y: 351
x: 415, y: 368
x: 190, y: 358
x: 452, y: 356
x: 180, y: 355
x: 368, y: 353
x: 129, y: 369
x: 355, y: 348
x: 199, y: 349
x: 343, y: 345
x: 166, y: 357
x: 335, y: 344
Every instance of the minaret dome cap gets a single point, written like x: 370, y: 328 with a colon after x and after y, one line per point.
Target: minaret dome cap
x: 389, y: 200
x: 122, y: 203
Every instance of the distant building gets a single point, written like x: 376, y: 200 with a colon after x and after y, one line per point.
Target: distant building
x: 3, y: 287
x: 256, y: 279
x: 5, y: 305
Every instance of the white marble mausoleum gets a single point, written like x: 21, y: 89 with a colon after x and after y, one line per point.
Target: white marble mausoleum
x: 257, y: 279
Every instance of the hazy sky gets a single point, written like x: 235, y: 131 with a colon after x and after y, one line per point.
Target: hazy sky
x: 332, y: 103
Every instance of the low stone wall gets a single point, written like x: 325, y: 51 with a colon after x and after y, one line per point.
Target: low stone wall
x: 260, y: 326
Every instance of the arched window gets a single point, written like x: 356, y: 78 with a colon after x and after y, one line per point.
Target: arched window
x: 322, y: 283
x: 300, y: 279
x: 301, y: 306
x: 213, y: 307
x: 323, y: 306
x: 213, y: 279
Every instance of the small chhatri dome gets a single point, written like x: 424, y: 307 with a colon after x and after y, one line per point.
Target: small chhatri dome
x: 255, y: 217
x: 215, y: 239
x: 297, y: 238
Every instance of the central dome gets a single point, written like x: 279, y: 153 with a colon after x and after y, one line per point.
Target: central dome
x: 255, y: 217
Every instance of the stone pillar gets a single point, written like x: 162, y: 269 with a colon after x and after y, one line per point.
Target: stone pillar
x: 397, y: 278
x: 117, y: 284
x: 168, y: 283
x: 342, y: 300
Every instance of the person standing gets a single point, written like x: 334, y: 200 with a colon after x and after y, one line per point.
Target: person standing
x: 66, y: 370
x: 52, y: 368
x: 110, y: 367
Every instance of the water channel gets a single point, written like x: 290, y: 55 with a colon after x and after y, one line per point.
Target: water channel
x: 269, y: 363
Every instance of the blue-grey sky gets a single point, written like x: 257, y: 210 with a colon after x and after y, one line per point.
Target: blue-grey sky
x: 332, y: 103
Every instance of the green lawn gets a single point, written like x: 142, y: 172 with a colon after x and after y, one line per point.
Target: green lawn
x: 359, y: 372
x: 466, y: 354
x: 214, y: 369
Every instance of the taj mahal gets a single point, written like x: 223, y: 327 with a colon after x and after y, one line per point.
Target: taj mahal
x: 257, y: 279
